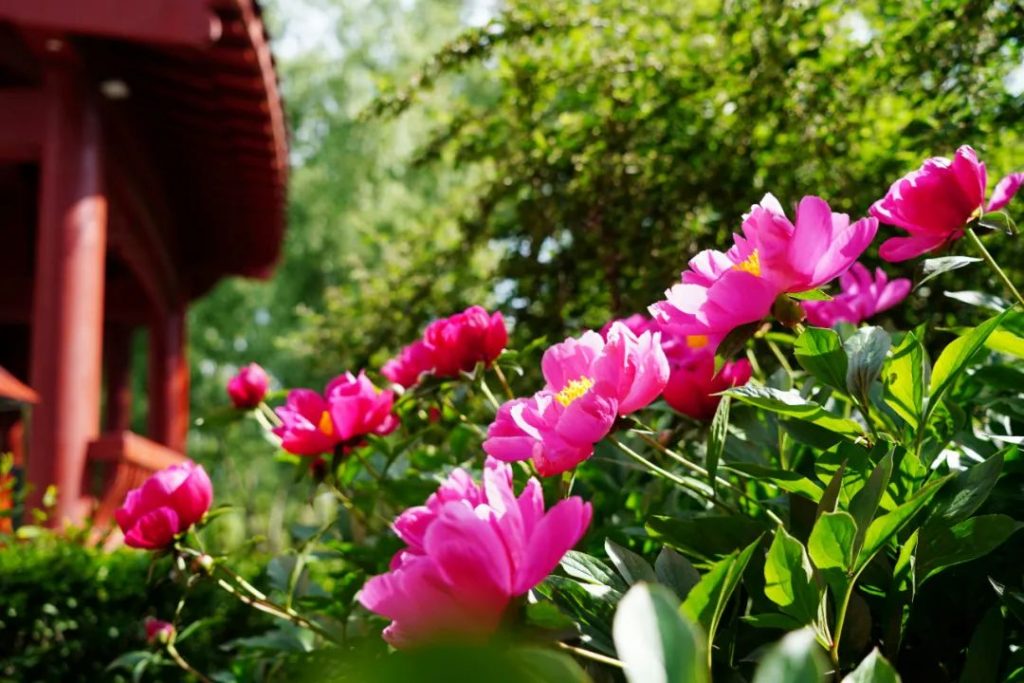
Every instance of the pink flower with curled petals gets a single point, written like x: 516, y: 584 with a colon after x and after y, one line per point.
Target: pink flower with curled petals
x: 166, y: 504
x: 936, y: 202
x: 470, y: 550
x: 590, y: 382
x: 248, y: 387
x: 350, y: 408
x: 861, y: 298
x: 721, y: 291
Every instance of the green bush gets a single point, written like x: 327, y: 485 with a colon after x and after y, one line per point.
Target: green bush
x: 67, y: 611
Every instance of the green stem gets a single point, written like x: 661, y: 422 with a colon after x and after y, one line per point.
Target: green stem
x: 184, y: 665
x: 833, y: 650
x: 995, y: 266
x: 504, y: 381
x: 488, y: 393
x: 579, y: 651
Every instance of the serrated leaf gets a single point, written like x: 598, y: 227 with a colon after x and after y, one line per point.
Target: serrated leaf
x: 820, y: 352
x: 655, y: 643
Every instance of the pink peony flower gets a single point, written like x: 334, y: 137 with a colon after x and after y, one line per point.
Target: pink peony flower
x: 411, y: 362
x: 693, y: 384
x: 862, y: 297
x: 359, y: 408
x: 248, y: 387
x: 307, y: 427
x: 935, y: 202
x: 469, y: 551
x: 457, y: 343
x: 589, y: 383
x: 158, y: 630
x: 166, y: 504
x: 722, y: 291
x: 350, y: 409
x: 638, y: 323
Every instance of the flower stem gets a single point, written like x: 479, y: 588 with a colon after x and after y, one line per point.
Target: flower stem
x: 833, y: 650
x: 597, y: 657
x: 504, y: 381
x: 184, y: 665
x: 995, y: 266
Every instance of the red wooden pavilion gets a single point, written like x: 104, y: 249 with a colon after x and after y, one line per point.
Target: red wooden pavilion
x: 143, y: 157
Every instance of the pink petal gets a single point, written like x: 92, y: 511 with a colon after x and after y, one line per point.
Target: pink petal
x: 560, y: 529
x: 1005, y: 189
x: 897, y: 249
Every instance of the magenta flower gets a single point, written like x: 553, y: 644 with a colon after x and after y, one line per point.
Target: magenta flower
x: 158, y: 631
x: 248, y: 386
x: 411, y: 362
x: 459, y: 342
x: 693, y: 384
x: 935, y: 202
x: 862, y: 297
x: 722, y: 291
x: 166, y: 504
x: 359, y: 408
x: 350, y: 409
x: 637, y: 323
x: 307, y: 427
x: 469, y: 551
x: 589, y: 383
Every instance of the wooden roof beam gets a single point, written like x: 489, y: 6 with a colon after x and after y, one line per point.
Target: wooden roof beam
x: 186, y: 23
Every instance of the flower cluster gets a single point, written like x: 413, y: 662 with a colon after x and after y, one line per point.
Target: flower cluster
x: 350, y: 408
x: 449, y: 346
x: 590, y: 382
x: 722, y: 291
x: 167, y: 504
x: 469, y: 551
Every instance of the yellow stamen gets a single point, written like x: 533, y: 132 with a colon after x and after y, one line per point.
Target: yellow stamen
x: 697, y: 341
x: 573, y: 390
x: 751, y: 265
x: 326, y: 424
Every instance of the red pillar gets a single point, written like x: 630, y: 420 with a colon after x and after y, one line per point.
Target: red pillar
x: 67, y: 320
x: 168, y: 380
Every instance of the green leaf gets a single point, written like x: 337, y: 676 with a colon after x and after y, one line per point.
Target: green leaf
x: 820, y: 352
x: 998, y: 220
x: 797, y: 658
x: 716, y: 440
x: 967, y: 491
x: 811, y: 295
x: 786, y: 480
x: 592, y: 570
x: 542, y: 664
x: 789, y: 578
x: 675, y: 571
x: 865, y: 352
x: 1003, y: 341
x: 654, y: 641
x: 980, y: 299
x: 792, y: 404
x: 865, y: 502
x: 883, y: 529
x: 709, y: 537
x: 934, y: 267
x: 942, y: 547
x: 831, y: 542
x: 708, y: 599
x: 831, y: 496
x: 903, y: 375
x: 985, y: 651
x: 954, y: 359
x: 632, y: 567
x: 873, y: 669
